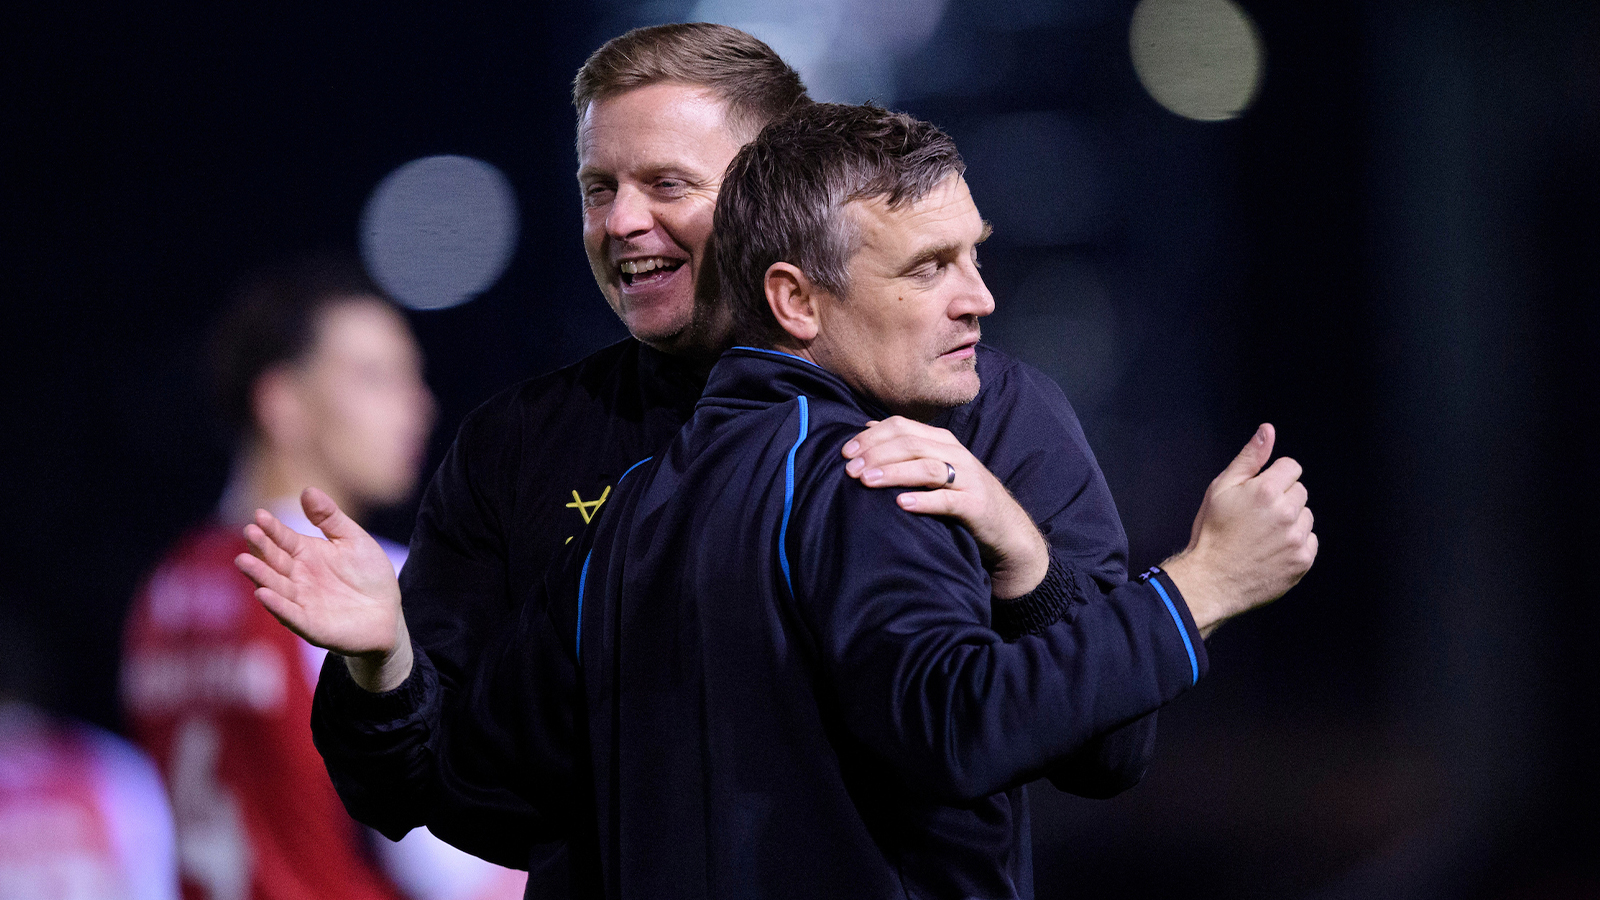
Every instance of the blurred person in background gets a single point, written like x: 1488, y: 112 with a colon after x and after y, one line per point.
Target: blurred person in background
x: 82, y: 811
x: 320, y: 381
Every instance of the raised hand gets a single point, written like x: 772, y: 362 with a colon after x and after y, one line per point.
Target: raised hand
x: 900, y: 452
x: 1252, y: 539
x: 340, y: 593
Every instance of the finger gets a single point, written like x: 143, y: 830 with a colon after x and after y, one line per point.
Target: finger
x: 279, y: 533
x: 1255, y: 454
x: 888, y: 430
x: 1297, y: 495
x: 1283, y: 474
x: 908, y: 448
x: 935, y: 503
x: 264, y: 575
x: 925, y: 473
x: 327, y: 516
x: 292, y: 616
x: 267, y: 550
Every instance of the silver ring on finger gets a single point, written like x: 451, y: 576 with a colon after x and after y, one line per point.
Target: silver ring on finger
x: 950, y: 475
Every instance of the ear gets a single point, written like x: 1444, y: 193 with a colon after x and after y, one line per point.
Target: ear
x: 792, y: 297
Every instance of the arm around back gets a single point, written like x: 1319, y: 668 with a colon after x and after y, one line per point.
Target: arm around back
x: 900, y: 609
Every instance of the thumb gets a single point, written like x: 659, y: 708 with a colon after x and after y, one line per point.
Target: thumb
x: 327, y: 516
x: 1257, y: 451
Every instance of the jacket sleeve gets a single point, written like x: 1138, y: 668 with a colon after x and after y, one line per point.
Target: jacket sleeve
x: 1108, y: 763
x: 898, y: 605
x: 456, y: 580
x: 378, y: 749
x: 1025, y: 431
x: 489, y: 771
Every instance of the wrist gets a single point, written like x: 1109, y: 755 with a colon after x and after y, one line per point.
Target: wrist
x: 1017, y: 575
x: 1051, y: 601
x: 1205, y: 598
x: 383, y: 671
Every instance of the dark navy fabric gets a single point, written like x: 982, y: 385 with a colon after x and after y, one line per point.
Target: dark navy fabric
x: 532, y: 466
x: 851, y: 726
x: 864, y: 732
x: 529, y: 469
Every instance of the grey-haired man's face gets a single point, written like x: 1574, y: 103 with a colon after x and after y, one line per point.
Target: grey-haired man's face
x: 906, y: 333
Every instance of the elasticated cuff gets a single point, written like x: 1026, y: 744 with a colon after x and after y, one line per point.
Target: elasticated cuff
x: 1050, y: 602
x: 356, y: 702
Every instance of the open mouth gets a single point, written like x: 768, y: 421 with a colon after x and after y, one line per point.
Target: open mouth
x: 650, y: 269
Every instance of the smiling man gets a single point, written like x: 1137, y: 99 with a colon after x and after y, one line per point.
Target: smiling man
x: 755, y: 677
x: 651, y: 162
x: 790, y: 687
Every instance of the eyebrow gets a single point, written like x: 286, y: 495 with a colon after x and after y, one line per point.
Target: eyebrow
x: 671, y: 169
x: 943, y: 250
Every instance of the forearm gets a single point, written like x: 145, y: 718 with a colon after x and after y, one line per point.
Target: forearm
x: 376, y: 746
x: 1109, y: 763
x: 1052, y: 599
x: 422, y: 755
x: 964, y: 716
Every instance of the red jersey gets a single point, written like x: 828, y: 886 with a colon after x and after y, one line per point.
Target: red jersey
x: 215, y: 690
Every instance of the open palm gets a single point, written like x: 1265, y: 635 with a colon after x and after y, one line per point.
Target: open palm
x: 340, y: 593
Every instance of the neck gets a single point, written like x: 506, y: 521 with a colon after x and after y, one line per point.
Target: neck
x: 802, y: 350
x: 262, y: 477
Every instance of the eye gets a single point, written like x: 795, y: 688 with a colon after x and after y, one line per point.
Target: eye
x: 597, y: 193
x: 671, y: 187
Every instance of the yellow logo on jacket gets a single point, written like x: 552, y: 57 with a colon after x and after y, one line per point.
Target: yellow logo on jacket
x: 587, y: 508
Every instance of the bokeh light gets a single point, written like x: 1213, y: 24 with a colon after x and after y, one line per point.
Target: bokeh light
x: 440, y: 230
x: 844, y: 51
x: 1201, y: 59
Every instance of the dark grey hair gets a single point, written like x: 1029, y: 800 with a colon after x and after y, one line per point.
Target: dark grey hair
x: 784, y: 199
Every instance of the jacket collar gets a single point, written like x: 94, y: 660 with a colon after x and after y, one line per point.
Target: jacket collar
x: 772, y: 376
x: 669, y: 381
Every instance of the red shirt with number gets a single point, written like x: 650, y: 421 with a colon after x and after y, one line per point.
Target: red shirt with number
x: 215, y: 689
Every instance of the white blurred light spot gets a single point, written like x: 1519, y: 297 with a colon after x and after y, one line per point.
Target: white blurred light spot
x: 1201, y: 59
x: 844, y: 50
x: 440, y: 230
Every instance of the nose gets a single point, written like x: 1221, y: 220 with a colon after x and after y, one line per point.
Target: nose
x: 974, y: 298
x: 629, y: 214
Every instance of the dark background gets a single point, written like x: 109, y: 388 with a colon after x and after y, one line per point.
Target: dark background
x: 1390, y: 256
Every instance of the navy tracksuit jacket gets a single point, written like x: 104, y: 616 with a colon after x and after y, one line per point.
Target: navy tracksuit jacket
x: 768, y: 681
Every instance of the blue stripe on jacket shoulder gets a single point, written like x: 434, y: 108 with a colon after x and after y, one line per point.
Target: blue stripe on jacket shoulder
x: 788, y: 493
x: 583, y: 576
